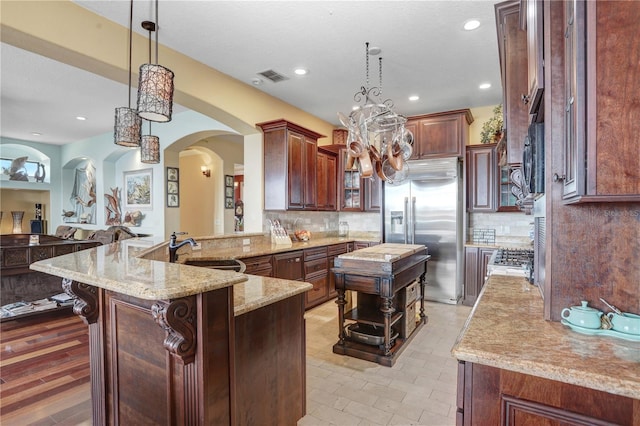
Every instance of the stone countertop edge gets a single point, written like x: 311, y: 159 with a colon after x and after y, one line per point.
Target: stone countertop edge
x: 260, y: 249
x: 506, y: 330
x: 107, y: 268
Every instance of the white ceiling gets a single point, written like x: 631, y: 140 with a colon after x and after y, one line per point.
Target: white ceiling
x: 425, y: 51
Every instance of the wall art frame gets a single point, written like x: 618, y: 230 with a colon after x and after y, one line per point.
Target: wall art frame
x: 228, y: 192
x: 173, y: 187
x: 138, y: 189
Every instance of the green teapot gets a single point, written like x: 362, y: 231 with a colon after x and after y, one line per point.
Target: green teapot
x: 582, y: 316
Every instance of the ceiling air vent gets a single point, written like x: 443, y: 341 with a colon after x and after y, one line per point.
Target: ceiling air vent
x: 273, y: 76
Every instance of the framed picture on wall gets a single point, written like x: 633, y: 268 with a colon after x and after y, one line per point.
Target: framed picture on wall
x: 173, y: 174
x: 228, y: 203
x: 228, y: 181
x: 138, y: 186
x: 173, y: 187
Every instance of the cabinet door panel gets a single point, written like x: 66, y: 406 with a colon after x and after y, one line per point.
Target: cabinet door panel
x: 309, y: 164
x: 482, y: 183
x: 295, y: 170
x: 289, y: 266
x: 439, y: 137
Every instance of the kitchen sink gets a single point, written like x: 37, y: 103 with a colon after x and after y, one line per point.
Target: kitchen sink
x: 227, y: 265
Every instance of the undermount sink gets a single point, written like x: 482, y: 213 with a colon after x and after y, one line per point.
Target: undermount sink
x: 227, y: 265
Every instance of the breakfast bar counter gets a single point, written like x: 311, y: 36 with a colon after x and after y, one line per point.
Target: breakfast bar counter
x: 178, y: 344
x: 514, y: 364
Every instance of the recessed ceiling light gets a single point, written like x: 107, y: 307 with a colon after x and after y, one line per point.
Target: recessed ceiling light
x: 257, y: 81
x: 301, y: 71
x: 471, y: 24
x: 374, y: 51
x: 414, y: 98
x: 36, y: 134
x: 81, y: 118
x: 484, y: 86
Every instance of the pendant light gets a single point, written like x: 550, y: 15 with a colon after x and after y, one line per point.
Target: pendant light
x: 150, y: 144
x: 150, y: 148
x: 127, y: 127
x: 155, y: 85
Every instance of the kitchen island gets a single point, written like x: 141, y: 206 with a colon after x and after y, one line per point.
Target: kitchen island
x: 178, y: 344
x: 386, y: 278
x: 515, y: 367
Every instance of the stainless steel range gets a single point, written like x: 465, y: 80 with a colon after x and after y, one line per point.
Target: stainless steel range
x: 514, y: 262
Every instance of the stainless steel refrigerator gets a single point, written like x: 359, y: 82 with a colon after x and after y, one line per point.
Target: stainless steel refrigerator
x: 427, y: 209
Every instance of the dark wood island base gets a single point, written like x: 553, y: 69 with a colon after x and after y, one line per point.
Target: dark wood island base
x: 386, y: 278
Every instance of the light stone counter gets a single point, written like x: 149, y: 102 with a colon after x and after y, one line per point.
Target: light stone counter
x: 115, y: 267
x: 506, y: 330
x: 259, y: 249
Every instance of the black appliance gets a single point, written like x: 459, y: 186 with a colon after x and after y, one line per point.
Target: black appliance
x: 533, y: 159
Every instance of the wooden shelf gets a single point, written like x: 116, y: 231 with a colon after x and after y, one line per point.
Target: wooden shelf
x: 371, y: 316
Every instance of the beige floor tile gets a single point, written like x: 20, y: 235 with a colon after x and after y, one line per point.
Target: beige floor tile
x: 419, y: 389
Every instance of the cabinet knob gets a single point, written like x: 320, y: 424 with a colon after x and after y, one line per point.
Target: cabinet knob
x: 525, y: 99
x: 558, y: 178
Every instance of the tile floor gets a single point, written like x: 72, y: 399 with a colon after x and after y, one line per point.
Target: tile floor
x: 420, y: 389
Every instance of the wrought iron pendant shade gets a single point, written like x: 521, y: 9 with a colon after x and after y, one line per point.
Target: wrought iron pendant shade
x: 155, y: 93
x: 150, y: 149
x: 127, y: 128
x: 155, y: 84
x: 128, y: 124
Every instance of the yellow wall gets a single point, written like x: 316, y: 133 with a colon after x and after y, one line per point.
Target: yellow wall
x: 19, y: 200
x: 480, y: 116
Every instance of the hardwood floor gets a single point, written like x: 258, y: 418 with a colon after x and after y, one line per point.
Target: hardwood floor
x: 44, y: 371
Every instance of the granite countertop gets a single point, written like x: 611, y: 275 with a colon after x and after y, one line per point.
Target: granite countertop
x: 260, y: 249
x: 115, y: 267
x: 506, y: 330
x: 387, y: 252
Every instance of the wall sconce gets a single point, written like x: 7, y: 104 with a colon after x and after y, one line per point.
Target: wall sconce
x: 205, y: 171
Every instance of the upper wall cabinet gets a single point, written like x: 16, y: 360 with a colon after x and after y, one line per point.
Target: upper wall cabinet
x: 512, y: 49
x: 443, y: 134
x: 290, y: 159
x: 602, y: 82
x: 326, y: 174
x: 531, y: 21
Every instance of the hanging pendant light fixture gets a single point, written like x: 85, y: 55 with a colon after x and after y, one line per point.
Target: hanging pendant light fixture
x: 126, y: 131
x: 150, y: 148
x: 155, y: 84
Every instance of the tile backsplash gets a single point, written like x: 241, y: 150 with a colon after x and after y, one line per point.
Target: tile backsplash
x: 509, y: 227
x: 325, y: 223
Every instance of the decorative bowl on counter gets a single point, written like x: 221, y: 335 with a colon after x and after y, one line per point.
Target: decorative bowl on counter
x: 625, y: 322
x: 303, y: 235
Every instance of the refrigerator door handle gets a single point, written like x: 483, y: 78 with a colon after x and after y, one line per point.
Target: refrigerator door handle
x: 413, y: 220
x: 406, y: 219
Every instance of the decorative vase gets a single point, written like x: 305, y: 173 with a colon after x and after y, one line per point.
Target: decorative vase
x: 17, y: 222
x: 38, y: 211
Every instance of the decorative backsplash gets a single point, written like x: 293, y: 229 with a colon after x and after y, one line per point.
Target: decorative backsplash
x: 509, y: 227
x: 326, y: 223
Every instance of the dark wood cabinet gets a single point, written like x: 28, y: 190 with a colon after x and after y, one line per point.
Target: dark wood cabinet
x: 512, y: 50
x: 443, y: 134
x: 326, y: 175
x: 531, y: 21
x: 492, y: 396
x: 475, y: 272
x: 18, y: 282
x: 290, y: 160
x: 355, y: 193
x: 601, y: 161
x: 316, y: 272
x: 482, y: 168
x: 289, y: 265
x: 259, y: 265
x: 334, y: 251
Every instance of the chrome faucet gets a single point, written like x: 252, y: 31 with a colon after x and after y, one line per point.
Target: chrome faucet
x: 173, y: 246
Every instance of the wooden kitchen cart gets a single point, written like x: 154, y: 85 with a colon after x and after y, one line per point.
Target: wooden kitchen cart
x: 385, y: 278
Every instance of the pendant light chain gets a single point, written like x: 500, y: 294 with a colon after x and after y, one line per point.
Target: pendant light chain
x: 380, y: 73
x: 157, y: 31
x: 130, y: 50
x: 366, y: 53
